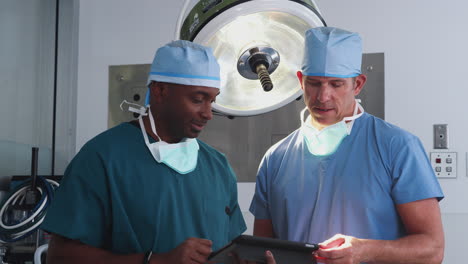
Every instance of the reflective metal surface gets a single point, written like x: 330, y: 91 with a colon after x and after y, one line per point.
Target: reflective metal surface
x: 126, y: 82
x: 244, y: 140
x: 373, y: 94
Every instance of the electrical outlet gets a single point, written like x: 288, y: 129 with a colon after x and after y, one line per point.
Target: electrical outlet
x: 441, y: 136
x: 444, y: 164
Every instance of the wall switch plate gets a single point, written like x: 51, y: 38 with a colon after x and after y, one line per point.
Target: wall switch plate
x: 441, y: 136
x: 444, y: 164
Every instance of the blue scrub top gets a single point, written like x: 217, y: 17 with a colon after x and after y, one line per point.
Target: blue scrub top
x: 352, y: 191
x: 115, y: 196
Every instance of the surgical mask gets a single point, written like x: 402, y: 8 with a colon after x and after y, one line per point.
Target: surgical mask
x: 326, y: 141
x: 181, y: 157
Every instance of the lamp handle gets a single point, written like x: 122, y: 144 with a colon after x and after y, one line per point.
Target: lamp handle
x: 316, y: 7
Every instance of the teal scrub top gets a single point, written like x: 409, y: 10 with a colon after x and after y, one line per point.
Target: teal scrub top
x: 353, y: 191
x: 115, y: 196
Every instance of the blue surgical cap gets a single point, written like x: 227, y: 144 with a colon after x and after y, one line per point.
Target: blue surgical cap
x: 332, y: 52
x: 184, y: 62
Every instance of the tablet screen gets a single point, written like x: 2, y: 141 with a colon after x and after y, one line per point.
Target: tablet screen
x: 253, y: 248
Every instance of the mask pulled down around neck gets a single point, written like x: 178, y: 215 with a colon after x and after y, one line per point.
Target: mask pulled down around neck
x: 181, y: 157
x: 326, y: 141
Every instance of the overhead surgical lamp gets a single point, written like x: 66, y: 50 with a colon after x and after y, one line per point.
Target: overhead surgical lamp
x: 259, y: 46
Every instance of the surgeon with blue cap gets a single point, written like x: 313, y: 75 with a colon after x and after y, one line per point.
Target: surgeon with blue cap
x: 148, y: 191
x: 361, y: 187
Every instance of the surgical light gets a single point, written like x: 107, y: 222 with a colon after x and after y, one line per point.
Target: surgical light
x: 259, y: 45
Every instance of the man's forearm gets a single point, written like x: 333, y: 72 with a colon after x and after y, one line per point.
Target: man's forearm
x: 95, y: 259
x: 412, y: 249
x: 263, y: 228
x: 62, y: 250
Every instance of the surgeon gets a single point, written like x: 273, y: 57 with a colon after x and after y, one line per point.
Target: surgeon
x: 148, y: 191
x: 361, y: 186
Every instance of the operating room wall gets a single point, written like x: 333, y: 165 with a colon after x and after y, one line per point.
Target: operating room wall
x: 425, y: 64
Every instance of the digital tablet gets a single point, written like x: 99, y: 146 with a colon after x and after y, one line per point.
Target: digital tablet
x: 252, y: 248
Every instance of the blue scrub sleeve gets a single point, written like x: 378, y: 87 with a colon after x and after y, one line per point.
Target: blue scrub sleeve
x: 412, y: 173
x: 259, y: 206
x: 81, y: 208
x: 236, y: 220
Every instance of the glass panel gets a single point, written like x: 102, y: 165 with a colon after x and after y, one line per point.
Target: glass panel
x: 27, y: 49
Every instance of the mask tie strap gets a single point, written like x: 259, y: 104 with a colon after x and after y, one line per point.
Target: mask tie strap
x: 355, y: 116
x: 153, y: 126
x: 360, y: 107
x: 142, y: 127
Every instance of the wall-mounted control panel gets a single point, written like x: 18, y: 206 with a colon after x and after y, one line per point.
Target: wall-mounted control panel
x: 444, y: 164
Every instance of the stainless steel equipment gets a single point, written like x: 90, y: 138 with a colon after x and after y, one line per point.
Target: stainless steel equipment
x: 244, y: 140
